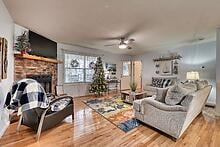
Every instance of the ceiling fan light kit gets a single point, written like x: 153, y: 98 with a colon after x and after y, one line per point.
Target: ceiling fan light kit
x: 122, y: 45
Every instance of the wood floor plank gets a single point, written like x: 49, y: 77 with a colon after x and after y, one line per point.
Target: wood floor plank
x: 90, y: 129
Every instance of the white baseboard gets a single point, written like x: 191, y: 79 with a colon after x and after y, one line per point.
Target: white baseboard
x: 217, y: 114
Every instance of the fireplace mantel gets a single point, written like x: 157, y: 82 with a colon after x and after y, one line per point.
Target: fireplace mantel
x: 29, y: 65
x: 33, y: 57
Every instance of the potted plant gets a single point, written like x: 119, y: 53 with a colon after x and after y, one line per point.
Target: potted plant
x: 23, y: 45
x: 133, y: 86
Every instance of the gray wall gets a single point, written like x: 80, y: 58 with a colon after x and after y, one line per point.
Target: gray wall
x: 6, y: 31
x: 218, y: 73
x: 80, y: 89
x: 194, y: 57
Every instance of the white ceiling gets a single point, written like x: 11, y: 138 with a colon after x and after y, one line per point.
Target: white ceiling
x: 154, y: 24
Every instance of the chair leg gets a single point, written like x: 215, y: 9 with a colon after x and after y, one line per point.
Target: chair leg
x: 40, y: 125
x: 19, y: 123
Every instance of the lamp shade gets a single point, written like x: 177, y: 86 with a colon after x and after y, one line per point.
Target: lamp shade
x: 193, y: 75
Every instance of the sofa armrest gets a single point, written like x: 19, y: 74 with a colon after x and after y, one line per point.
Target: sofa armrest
x: 163, y: 106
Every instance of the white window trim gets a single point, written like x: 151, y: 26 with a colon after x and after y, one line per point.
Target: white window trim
x: 75, y: 53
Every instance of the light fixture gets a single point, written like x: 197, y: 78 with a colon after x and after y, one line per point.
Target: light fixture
x: 122, y: 45
x: 126, y: 41
x: 193, y: 75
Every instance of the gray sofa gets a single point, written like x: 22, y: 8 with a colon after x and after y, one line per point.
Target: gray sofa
x: 172, y: 120
x: 158, y: 82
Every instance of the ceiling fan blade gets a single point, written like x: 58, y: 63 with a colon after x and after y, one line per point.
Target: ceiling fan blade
x: 131, y: 40
x: 110, y: 44
x: 127, y: 41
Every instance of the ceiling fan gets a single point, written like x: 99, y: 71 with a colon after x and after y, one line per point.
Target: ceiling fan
x: 124, y: 43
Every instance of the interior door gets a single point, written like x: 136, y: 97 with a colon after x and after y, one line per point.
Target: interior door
x: 126, y: 75
x: 137, y: 73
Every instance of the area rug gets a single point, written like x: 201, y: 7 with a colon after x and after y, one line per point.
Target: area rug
x: 116, y: 111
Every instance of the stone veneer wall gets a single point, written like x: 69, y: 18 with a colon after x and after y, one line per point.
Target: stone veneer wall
x: 27, y: 67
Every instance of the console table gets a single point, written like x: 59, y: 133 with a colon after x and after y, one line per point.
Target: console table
x: 114, y: 85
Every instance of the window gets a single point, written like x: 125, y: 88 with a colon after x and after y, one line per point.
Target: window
x: 126, y: 68
x: 78, y: 68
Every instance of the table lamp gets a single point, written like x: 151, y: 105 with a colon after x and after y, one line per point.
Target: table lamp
x: 192, y: 76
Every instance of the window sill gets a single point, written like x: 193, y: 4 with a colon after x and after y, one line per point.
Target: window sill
x: 78, y: 83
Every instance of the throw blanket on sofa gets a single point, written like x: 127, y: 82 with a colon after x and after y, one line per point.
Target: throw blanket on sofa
x: 26, y: 94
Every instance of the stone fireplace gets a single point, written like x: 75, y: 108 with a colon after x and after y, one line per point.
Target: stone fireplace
x: 44, y: 70
x: 44, y: 80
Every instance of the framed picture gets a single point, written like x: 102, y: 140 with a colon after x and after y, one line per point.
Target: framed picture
x: 4, y: 58
x: 110, y: 68
x: 166, y: 68
x: 126, y: 68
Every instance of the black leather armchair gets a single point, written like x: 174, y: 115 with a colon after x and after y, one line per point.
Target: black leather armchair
x: 42, y: 119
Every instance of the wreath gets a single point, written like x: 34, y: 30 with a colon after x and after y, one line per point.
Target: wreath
x: 92, y: 65
x: 74, y: 63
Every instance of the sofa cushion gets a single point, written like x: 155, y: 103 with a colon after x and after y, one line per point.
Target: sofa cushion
x: 175, y: 94
x: 161, y: 94
x: 163, y: 106
x: 201, y: 84
x: 186, y: 100
x: 192, y: 86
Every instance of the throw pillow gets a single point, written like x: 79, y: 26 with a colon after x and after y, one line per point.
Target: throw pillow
x: 157, y: 82
x: 201, y: 84
x: 161, y: 94
x: 60, y: 104
x: 192, y: 86
x: 175, y: 94
x: 186, y: 100
x: 166, y: 82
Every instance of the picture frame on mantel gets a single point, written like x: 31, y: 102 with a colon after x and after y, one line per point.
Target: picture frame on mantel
x: 4, y: 58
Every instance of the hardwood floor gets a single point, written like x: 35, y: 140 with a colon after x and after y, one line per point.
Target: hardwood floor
x: 91, y: 129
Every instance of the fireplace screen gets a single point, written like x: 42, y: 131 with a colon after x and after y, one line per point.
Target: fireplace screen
x: 44, y: 80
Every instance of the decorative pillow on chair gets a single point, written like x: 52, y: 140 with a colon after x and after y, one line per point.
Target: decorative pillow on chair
x: 175, y: 94
x: 60, y: 104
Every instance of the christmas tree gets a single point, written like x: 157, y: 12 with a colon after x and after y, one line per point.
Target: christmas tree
x: 98, y: 85
x: 23, y: 43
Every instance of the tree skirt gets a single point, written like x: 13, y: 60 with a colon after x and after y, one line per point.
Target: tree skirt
x: 116, y: 111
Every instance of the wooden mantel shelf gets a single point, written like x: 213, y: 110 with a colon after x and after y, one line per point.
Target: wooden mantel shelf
x: 33, y: 57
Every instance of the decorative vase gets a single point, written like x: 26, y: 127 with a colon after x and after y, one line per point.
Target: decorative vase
x: 132, y: 93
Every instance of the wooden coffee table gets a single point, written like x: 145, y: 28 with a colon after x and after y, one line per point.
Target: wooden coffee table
x: 129, y: 97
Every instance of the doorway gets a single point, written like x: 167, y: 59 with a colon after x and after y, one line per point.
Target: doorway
x: 131, y: 71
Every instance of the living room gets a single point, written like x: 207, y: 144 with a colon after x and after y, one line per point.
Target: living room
x: 111, y: 73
